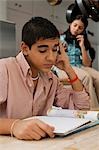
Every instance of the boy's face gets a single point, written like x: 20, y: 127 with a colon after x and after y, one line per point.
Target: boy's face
x: 43, y: 54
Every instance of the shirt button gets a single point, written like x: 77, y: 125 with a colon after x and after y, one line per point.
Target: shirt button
x: 30, y: 85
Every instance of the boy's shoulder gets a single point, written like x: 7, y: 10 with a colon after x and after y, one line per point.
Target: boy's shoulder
x: 5, y: 62
x: 6, y: 59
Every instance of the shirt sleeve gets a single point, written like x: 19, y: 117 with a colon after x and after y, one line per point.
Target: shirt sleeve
x: 3, y: 81
x: 66, y: 97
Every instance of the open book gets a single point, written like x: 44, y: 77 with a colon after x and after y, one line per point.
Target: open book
x: 59, y: 112
x: 68, y: 121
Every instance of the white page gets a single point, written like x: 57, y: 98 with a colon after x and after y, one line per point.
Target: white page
x: 59, y: 112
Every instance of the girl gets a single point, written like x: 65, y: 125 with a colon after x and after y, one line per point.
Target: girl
x: 81, y: 56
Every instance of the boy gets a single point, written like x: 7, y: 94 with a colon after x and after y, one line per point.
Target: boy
x: 28, y: 87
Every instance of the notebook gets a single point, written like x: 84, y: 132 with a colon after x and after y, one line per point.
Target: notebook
x: 68, y: 121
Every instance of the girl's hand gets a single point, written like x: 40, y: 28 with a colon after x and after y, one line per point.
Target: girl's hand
x: 32, y: 129
x: 85, y: 57
x: 80, y: 39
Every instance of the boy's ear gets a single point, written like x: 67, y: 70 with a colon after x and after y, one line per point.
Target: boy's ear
x: 24, y: 48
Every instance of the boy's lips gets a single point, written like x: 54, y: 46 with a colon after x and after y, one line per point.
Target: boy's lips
x: 48, y: 65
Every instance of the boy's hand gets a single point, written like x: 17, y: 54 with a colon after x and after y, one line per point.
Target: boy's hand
x: 62, y: 61
x: 32, y: 129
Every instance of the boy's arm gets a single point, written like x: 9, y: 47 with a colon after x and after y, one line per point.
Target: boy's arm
x: 26, y: 129
x: 64, y: 64
x: 5, y: 125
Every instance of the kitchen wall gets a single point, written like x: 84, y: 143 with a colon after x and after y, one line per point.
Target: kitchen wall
x: 19, y: 11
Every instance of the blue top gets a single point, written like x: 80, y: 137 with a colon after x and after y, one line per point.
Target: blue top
x: 74, y: 53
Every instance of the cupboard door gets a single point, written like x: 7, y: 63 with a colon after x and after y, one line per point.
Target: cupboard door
x: 22, y: 6
x: 19, y: 19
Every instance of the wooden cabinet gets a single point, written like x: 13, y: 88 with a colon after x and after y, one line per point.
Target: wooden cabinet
x: 19, y: 12
x: 19, y: 19
x: 7, y: 39
x: 22, y: 6
x: 56, y: 14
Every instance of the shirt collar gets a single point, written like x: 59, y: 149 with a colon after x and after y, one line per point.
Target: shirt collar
x: 23, y: 63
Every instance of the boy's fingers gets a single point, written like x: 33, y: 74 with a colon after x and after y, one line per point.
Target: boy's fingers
x: 63, y: 48
x: 47, y: 128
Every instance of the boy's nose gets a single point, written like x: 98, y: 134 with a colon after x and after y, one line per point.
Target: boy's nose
x: 51, y: 56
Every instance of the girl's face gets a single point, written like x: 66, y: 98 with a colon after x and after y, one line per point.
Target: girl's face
x: 42, y: 55
x: 76, y: 27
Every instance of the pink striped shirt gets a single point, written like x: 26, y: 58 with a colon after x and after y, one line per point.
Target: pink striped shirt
x: 16, y: 91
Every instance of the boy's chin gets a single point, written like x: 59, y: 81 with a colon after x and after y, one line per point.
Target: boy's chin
x: 46, y: 70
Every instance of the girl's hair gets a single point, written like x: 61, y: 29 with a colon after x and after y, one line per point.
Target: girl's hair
x: 82, y: 18
x: 69, y: 38
x: 38, y: 28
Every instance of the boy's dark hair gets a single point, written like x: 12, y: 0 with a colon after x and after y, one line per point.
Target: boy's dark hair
x: 38, y: 28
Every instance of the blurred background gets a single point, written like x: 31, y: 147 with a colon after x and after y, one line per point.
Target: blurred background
x: 14, y: 13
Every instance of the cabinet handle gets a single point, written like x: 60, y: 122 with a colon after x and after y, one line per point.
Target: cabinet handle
x: 19, y: 5
x: 16, y: 4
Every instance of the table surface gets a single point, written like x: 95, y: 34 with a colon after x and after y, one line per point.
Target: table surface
x: 84, y: 140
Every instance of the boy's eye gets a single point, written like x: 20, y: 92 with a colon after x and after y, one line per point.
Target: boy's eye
x: 43, y: 50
